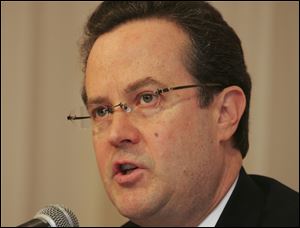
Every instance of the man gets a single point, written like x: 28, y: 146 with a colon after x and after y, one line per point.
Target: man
x: 168, y: 93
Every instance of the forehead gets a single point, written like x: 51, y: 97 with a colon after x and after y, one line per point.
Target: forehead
x: 138, y: 49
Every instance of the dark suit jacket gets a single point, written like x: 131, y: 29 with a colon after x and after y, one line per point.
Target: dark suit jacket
x: 258, y: 201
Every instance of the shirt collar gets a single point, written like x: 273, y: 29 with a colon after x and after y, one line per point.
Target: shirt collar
x: 212, y: 219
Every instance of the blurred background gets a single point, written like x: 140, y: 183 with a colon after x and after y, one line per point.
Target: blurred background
x: 45, y: 160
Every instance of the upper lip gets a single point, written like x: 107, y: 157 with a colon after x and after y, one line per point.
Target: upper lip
x: 117, y: 164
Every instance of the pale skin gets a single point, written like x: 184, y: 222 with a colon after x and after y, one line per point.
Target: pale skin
x: 188, y: 161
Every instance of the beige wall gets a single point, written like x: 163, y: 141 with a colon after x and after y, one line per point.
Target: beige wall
x: 45, y: 160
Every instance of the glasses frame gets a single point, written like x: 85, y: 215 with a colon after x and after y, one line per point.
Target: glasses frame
x: 159, y: 91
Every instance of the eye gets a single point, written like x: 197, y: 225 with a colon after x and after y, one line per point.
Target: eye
x: 148, y: 99
x: 100, y: 112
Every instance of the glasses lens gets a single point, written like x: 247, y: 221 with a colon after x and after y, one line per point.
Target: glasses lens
x: 80, y: 121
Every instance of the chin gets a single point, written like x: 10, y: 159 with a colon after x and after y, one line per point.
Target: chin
x: 138, y: 206
x: 140, y: 202
x: 147, y: 216
x: 136, y: 210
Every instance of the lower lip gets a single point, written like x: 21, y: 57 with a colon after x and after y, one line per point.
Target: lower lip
x: 129, y: 179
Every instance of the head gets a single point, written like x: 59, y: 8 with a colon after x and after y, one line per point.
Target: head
x: 183, y: 148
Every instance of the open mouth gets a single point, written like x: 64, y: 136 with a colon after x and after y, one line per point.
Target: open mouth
x: 127, y: 173
x: 124, y: 168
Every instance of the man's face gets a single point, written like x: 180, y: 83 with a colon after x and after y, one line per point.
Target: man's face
x: 174, y: 149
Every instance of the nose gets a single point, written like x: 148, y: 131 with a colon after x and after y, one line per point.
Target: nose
x: 122, y: 131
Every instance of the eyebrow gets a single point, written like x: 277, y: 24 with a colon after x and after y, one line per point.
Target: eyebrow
x: 132, y: 87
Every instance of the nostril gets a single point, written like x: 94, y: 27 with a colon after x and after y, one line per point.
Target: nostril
x: 124, y: 143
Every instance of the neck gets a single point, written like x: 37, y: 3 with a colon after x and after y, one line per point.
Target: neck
x: 230, y: 171
x: 191, y: 214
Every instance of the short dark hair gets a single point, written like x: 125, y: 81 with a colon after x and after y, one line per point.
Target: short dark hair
x: 214, y: 56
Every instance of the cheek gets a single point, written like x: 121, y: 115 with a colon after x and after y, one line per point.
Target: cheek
x: 100, y: 155
x: 175, y: 131
x: 184, y: 155
x: 167, y: 143
x: 179, y: 139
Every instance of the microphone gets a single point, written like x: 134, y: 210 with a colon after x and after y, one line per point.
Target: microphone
x: 53, y: 215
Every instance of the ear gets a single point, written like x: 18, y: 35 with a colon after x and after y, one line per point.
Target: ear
x: 231, y: 103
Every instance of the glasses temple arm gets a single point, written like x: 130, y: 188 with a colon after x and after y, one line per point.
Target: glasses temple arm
x: 70, y: 117
x: 164, y: 90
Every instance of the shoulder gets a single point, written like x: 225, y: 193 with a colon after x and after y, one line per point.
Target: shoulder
x: 281, y: 204
x: 260, y: 201
x: 275, y: 190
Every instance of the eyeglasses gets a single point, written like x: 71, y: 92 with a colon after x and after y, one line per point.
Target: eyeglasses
x: 143, y: 106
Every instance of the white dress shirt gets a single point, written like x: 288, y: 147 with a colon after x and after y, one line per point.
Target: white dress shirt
x: 212, y: 219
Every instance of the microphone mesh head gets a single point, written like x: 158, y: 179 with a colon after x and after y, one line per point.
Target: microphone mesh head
x: 58, y: 216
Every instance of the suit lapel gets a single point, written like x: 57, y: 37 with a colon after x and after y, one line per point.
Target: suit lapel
x: 245, y: 204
